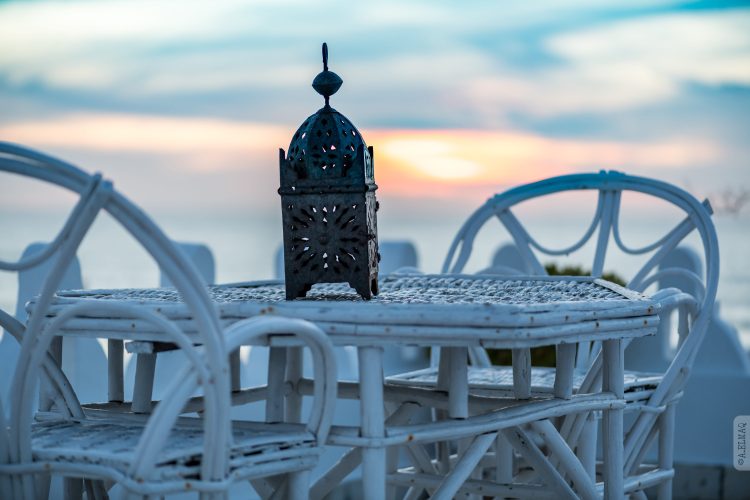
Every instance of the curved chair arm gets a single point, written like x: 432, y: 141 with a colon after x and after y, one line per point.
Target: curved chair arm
x: 683, y: 300
x: 672, y: 272
x: 324, y: 361
x: 6, y: 485
x: 65, y: 396
x: 26, y: 262
x: 161, y: 421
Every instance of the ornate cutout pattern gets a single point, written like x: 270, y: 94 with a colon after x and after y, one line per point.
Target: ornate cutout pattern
x: 328, y: 142
x: 312, y: 247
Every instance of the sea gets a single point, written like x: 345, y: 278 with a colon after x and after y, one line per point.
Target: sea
x: 245, y: 243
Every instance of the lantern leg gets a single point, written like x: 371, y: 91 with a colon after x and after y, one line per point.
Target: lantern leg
x: 295, y: 290
x: 362, y: 286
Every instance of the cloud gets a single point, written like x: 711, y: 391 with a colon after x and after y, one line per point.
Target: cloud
x: 625, y: 64
x: 705, y: 47
x: 152, y: 134
x: 157, y: 49
x: 116, y: 44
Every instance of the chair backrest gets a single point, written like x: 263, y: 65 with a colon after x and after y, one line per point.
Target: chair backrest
x: 395, y: 255
x: 201, y: 256
x: 30, y: 282
x: 84, y: 359
x: 604, y: 231
x: 653, y: 354
x: 97, y: 194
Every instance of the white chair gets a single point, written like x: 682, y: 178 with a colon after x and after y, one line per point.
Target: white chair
x: 721, y: 363
x: 651, y: 396
x: 163, y: 452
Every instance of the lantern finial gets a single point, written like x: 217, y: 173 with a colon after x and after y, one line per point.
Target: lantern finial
x: 327, y: 82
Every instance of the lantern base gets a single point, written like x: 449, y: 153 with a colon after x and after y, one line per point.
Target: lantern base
x: 365, y: 288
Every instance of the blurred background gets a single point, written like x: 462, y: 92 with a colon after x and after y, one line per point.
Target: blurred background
x: 185, y: 104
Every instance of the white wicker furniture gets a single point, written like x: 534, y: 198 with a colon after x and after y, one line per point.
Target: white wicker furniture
x: 651, y: 395
x: 161, y: 453
x: 459, y: 312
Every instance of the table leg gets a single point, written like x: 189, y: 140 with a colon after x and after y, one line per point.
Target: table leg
x: 442, y: 448
x: 55, y: 350
x: 613, y: 379
x: 587, y: 446
x: 235, y: 375
x: 275, y: 382
x: 373, y: 425
x: 115, y: 373
x: 565, y: 366
x: 145, y: 368
x: 458, y: 382
x: 522, y: 373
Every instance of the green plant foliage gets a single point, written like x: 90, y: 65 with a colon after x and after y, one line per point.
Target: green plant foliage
x: 573, y: 270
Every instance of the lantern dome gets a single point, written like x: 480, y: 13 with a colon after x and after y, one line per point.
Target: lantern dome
x: 325, y: 145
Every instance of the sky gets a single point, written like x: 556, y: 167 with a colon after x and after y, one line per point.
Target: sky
x: 185, y: 104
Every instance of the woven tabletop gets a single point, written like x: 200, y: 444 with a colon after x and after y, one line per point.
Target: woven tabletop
x: 406, y: 303
x: 395, y: 289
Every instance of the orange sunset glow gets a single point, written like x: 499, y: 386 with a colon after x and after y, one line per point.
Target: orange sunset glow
x: 409, y: 162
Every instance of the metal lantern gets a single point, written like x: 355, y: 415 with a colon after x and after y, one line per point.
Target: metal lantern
x: 328, y: 201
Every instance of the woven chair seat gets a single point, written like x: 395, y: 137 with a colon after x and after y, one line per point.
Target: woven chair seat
x: 112, y: 444
x: 486, y: 380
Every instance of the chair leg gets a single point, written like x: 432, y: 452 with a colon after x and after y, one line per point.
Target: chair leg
x: 666, y: 449
x: 41, y: 486
x: 391, y: 465
x: 100, y: 490
x: 72, y: 488
x: 463, y: 446
x: 451, y: 484
x: 299, y: 485
x: 6, y: 487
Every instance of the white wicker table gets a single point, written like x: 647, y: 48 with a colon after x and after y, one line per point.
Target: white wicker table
x: 450, y: 311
